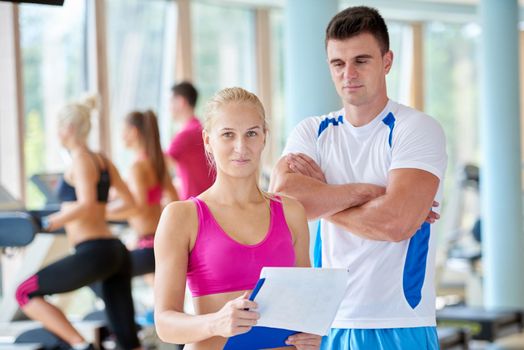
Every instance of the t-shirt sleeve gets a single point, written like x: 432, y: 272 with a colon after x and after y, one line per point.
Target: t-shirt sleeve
x: 178, y: 145
x: 420, y: 143
x: 303, y: 139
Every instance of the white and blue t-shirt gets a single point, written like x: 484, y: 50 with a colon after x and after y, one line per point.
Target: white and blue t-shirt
x: 391, y: 285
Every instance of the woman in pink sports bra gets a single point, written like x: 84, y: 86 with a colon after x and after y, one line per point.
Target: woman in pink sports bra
x: 220, y: 240
x: 149, y: 183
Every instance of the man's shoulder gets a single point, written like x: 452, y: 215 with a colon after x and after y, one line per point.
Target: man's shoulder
x: 193, y: 125
x: 410, y: 117
x: 320, y: 123
x: 403, y: 111
x: 319, y: 118
x: 191, y: 129
x: 413, y: 126
x: 183, y: 140
x: 305, y: 136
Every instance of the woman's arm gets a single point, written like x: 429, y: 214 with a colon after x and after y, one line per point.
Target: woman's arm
x: 297, y: 222
x: 124, y: 206
x: 171, y: 193
x: 177, y: 225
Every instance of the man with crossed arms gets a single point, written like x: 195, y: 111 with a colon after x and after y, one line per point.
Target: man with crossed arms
x: 371, y: 172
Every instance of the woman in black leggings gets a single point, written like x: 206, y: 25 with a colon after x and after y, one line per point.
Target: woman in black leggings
x: 98, y: 256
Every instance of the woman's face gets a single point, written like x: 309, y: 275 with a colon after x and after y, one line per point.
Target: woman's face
x: 65, y: 133
x: 236, y: 139
x: 129, y: 135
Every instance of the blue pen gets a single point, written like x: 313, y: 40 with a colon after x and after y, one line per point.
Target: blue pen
x: 256, y: 290
x: 259, y: 337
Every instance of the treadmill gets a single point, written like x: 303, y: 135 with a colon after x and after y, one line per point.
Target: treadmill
x: 20, y: 225
x: 47, y: 183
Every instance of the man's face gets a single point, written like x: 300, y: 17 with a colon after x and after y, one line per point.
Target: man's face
x: 176, y: 105
x: 358, y: 69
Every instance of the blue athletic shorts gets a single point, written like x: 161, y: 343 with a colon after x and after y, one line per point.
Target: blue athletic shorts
x: 419, y: 338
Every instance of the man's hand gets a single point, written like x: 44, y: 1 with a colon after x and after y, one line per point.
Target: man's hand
x: 302, y: 164
x: 433, y: 216
x: 305, y: 341
x: 298, y: 175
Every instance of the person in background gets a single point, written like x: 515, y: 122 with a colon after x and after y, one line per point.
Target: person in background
x: 98, y: 256
x: 186, y: 150
x: 150, y: 186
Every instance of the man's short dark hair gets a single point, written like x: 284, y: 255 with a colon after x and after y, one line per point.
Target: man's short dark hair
x: 187, y: 91
x: 358, y: 20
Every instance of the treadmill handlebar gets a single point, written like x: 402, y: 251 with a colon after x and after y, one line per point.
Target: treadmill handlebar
x: 39, y: 214
x: 17, y: 229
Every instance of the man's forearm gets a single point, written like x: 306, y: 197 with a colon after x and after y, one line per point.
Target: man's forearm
x: 396, y: 215
x: 377, y: 220
x: 321, y: 199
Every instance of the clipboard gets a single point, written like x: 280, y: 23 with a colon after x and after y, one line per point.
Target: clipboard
x: 259, y: 337
x: 289, y: 297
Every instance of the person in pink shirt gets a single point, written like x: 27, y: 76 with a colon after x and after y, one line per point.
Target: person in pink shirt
x: 186, y: 151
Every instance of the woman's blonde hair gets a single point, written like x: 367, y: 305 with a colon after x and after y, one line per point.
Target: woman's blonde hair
x: 78, y: 115
x: 232, y: 95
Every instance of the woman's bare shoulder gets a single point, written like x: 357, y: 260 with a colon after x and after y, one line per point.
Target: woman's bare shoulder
x: 180, y: 217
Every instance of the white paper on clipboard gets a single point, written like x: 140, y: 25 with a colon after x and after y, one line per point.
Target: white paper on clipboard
x: 301, y: 299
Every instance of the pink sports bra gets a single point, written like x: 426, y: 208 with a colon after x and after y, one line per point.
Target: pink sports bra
x: 154, y: 194
x: 219, y: 264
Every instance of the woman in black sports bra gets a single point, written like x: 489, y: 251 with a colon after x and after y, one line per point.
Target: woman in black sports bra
x: 98, y: 256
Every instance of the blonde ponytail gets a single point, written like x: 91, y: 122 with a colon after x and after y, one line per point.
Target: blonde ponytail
x: 78, y: 115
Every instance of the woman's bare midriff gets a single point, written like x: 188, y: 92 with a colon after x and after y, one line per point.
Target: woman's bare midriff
x: 145, y: 222
x: 88, y: 227
x: 209, y: 304
x: 206, y: 305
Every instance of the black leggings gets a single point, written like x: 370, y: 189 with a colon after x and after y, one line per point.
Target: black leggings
x: 99, y: 260
x: 142, y: 261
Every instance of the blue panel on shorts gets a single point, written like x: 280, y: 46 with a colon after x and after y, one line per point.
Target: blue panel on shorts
x: 418, y: 338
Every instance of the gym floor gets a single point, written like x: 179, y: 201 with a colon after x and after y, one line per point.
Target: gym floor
x: 512, y: 342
